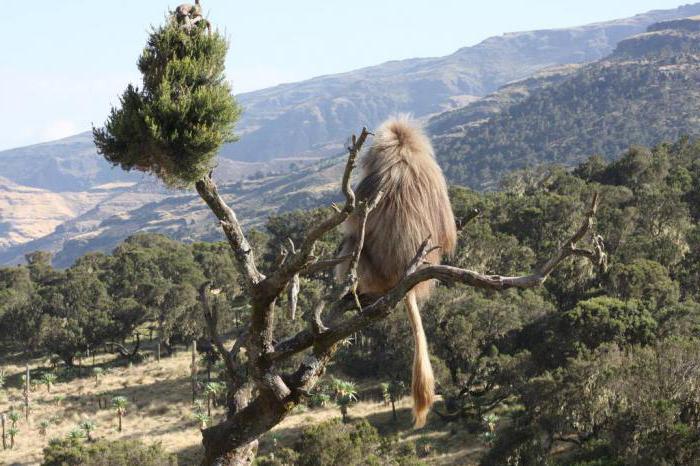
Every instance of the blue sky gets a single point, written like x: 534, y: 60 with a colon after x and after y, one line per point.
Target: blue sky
x: 65, y: 62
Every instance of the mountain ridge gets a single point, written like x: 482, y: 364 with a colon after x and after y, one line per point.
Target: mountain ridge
x: 643, y: 93
x: 123, y: 214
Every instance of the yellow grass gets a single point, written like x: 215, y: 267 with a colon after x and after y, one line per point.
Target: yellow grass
x: 160, y: 410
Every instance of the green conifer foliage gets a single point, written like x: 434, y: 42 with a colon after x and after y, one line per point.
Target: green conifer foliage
x: 173, y: 126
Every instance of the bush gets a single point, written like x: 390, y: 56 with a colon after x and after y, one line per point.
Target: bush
x: 74, y: 452
x: 281, y: 457
x: 336, y: 443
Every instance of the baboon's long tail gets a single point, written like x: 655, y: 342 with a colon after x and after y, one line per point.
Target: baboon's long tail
x: 423, y: 382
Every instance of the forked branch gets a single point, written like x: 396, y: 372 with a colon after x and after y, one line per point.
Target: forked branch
x: 418, y: 272
x: 303, y: 257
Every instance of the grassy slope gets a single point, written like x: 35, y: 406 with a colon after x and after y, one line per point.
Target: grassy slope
x: 160, y: 410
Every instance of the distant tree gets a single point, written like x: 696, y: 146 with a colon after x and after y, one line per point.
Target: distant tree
x: 44, y: 426
x: 76, y: 434
x: 203, y: 419
x: 61, y: 452
x: 119, y: 404
x: 345, y: 393
x: 645, y: 280
x: 97, y: 372
x: 12, y: 432
x: 48, y: 379
x: 76, y: 314
x: 212, y: 390
x: 14, y: 416
x: 88, y: 426
x: 393, y: 392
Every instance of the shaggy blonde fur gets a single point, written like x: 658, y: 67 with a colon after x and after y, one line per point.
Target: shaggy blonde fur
x: 414, y: 206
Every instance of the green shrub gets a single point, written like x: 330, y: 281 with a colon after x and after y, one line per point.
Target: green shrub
x: 280, y: 457
x: 359, y: 444
x: 73, y: 452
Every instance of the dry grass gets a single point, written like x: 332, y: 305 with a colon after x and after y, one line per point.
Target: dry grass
x: 160, y: 410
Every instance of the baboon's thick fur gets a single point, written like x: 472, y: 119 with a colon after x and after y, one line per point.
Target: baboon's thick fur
x: 414, y: 206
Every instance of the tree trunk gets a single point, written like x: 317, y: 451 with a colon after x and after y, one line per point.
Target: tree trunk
x: 27, y: 386
x: 234, y: 442
x: 193, y: 368
x: 393, y: 409
x: 242, y: 456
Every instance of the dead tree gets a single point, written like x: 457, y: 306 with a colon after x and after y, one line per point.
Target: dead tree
x: 261, y: 401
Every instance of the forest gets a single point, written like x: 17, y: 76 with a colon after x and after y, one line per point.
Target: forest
x: 597, y: 367
x: 564, y: 329
x: 641, y: 94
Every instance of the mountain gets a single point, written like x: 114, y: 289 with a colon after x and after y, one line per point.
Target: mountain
x: 45, y: 185
x: 183, y: 215
x: 312, y: 118
x: 63, y: 197
x: 645, y: 92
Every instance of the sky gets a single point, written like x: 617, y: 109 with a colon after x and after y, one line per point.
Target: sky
x: 65, y: 62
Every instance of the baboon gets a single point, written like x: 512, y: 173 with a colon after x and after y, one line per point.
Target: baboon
x: 414, y: 206
x: 188, y: 16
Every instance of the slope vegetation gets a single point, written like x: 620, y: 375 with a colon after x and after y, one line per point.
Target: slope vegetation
x: 645, y: 92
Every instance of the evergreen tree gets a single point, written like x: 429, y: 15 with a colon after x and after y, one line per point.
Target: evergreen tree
x: 174, y: 125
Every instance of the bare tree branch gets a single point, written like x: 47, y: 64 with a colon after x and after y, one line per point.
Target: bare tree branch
x: 293, y: 295
x: 352, y: 278
x: 298, y: 261
x: 232, y: 228
x: 471, y: 215
x: 320, y: 266
x: 418, y: 272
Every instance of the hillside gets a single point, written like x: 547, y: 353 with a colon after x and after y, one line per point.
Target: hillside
x: 297, y: 123
x: 160, y: 410
x: 28, y: 213
x: 645, y: 92
x: 313, y: 117
x: 181, y: 215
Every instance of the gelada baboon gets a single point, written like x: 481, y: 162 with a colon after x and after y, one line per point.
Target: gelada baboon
x: 414, y: 206
x: 188, y: 16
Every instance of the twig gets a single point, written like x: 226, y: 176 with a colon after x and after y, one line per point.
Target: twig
x: 320, y: 266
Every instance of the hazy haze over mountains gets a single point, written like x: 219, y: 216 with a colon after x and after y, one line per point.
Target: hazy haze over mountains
x: 85, y: 204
